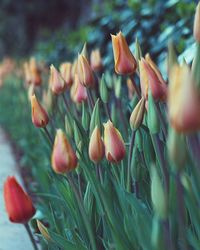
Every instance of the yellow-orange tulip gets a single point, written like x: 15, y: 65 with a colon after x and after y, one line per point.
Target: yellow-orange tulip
x: 57, y: 83
x: 39, y: 115
x: 125, y: 62
x: 196, y: 29
x: 95, y: 60
x: 183, y: 100
x: 78, y: 91
x: 63, y: 157
x: 84, y: 72
x: 66, y: 73
x: 96, y: 146
x: 114, y: 144
x: 150, y: 77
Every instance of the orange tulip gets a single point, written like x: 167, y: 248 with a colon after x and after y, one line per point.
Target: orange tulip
x: 114, y: 144
x: 125, y: 62
x: 63, y: 156
x: 183, y: 100
x: 84, y: 72
x: 150, y: 77
x: 95, y: 60
x: 96, y: 146
x: 57, y: 83
x: 78, y: 91
x: 196, y: 28
x: 18, y: 204
x: 39, y: 115
x: 66, y: 73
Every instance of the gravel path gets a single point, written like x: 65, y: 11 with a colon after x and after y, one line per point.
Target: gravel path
x: 12, y: 236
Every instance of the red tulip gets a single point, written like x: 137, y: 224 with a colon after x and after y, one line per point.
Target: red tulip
x: 19, y: 206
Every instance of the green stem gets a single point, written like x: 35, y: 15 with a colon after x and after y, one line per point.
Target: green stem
x: 137, y: 90
x: 48, y: 135
x: 31, y: 236
x: 128, y: 184
x: 83, y: 213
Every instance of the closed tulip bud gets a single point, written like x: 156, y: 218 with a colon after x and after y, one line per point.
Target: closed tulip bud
x: 96, y: 61
x: 43, y: 230
x: 114, y: 144
x: 157, y: 195
x: 196, y: 29
x: 57, y: 83
x: 18, y: 204
x: 96, y: 146
x: 125, y: 62
x: 150, y: 77
x: 183, y: 112
x: 84, y: 72
x: 35, y: 73
x: 66, y: 73
x: 63, y: 157
x: 137, y: 114
x: 78, y: 91
x: 39, y: 115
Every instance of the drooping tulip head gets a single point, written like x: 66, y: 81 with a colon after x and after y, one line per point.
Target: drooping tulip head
x: 96, y: 146
x: 63, y: 157
x: 114, y: 144
x: 18, y: 204
x: 39, y: 115
x: 125, y: 62
x: 84, y: 72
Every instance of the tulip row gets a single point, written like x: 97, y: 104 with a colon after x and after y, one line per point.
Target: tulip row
x: 82, y: 112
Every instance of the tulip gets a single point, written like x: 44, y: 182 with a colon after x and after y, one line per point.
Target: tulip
x: 57, y: 83
x: 18, y: 204
x: 66, y: 73
x: 63, y: 156
x: 183, y: 100
x: 39, y: 115
x: 35, y: 73
x: 196, y: 28
x: 78, y: 91
x: 84, y: 72
x: 137, y: 115
x: 96, y: 146
x: 150, y: 77
x: 114, y: 144
x: 95, y: 60
x: 125, y: 62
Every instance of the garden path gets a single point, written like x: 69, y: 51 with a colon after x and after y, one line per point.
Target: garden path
x: 12, y: 236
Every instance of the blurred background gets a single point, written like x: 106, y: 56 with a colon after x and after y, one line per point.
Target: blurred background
x: 55, y: 30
